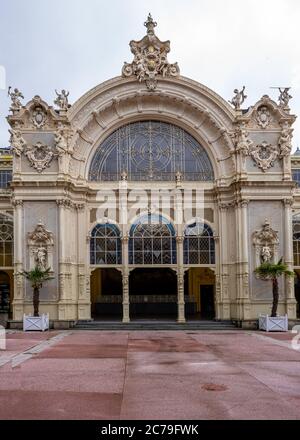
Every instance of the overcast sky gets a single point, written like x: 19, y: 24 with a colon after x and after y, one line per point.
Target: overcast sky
x: 77, y: 44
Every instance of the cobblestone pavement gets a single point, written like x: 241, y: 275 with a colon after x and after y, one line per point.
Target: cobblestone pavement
x: 149, y: 375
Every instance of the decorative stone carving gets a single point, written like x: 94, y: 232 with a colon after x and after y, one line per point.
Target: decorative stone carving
x: 39, y: 156
x: 264, y: 155
x: 40, y: 257
x: 150, y: 58
x: 17, y: 142
x: 284, y: 97
x: 62, y: 100
x: 285, y: 140
x: 40, y: 243
x: 39, y: 117
x: 266, y: 254
x: 15, y: 96
x: 266, y: 243
x: 263, y: 116
x: 243, y: 143
x: 239, y: 98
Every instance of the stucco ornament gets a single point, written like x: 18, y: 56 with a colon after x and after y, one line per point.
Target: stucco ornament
x: 17, y: 142
x: 264, y: 155
x: 285, y: 140
x: 15, y: 96
x: 263, y: 116
x: 150, y: 58
x: 266, y: 243
x: 39, y: 156
x: 238, y: 98
x: 40, y: 242
x: 62, y: 100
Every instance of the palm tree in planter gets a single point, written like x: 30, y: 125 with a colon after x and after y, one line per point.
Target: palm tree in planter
x: 37, y: 277
x: 272, y: 271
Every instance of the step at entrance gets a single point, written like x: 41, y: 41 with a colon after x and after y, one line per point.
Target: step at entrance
x: 154, y: 325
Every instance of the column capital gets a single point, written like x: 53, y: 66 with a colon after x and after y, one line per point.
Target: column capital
x: 17, y: 202
x: 288, y: 202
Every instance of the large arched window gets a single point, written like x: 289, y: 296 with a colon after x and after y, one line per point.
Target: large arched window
x: 105, y: 245
x: 152, y: 241
x: 150, y: 150
x: 199, y: 244
x: 296, y: 239
x: 6, y: 241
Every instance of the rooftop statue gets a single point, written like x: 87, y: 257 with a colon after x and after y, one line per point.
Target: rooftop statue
x: 150, y: 58
x: 62, y: 100
x: 15, y: 96
x: 239, y: 98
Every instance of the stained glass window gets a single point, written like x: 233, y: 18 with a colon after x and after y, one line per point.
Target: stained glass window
x: 105, y: 245
x: 199, y: 244
x: 152, y: 241
x: 150, y: 150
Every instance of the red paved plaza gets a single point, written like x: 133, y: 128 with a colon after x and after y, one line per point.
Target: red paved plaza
x: 149, y: 375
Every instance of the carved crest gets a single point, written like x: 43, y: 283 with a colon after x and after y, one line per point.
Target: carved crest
x: 39, y: 117
x: 150, y: 58
x: 263, y: 116
x: 39, y: 156
x: 264, y: 155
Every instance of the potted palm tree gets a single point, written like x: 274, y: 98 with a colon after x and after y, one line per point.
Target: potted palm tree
x: 36, y: 276
x: 272, y: 271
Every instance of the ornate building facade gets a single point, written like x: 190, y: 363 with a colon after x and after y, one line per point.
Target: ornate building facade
x: 149, y: 196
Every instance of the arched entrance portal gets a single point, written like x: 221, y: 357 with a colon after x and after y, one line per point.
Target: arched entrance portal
x: 106, y: 294
x: 153, y: 293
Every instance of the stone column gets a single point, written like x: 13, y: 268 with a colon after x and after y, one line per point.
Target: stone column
x: 63, y: 276
x: 243, y: 297
x: 19, y: 244
x: 222, y: 294
x: 125, y: 300
x: 180, y: 280
x: 83, y: 297
x: 288, y: 259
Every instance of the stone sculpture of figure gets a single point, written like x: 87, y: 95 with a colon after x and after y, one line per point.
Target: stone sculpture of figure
x: 178, y: 177
x: 124, y: 176
x: 266, y: 254
x: 243, y: 143
x: 285, y: 140
x: 17, y: 142
x: 40, y: 257
x: 284, y: 97
x: 62, y: 100
x: 15, y: 96
x: 140, y: 68
x: 239, y: 98
x: 61, y: 143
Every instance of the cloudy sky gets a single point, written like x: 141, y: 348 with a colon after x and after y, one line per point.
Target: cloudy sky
x: 77, y: 44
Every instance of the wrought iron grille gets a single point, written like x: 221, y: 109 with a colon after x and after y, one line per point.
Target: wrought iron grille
x: 152, y: 241
x: 199, y: 244
x: 105, y: 245
x: 296, y: 241
x: 150, y: 150
x: 6, y: 241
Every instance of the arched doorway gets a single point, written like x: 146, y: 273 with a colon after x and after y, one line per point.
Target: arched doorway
x: 198, y: 252
x: 106, y: 280
x: 153, y: 293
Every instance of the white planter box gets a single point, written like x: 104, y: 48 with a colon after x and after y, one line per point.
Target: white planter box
x: 36, y: 323
x: 273, y: 323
